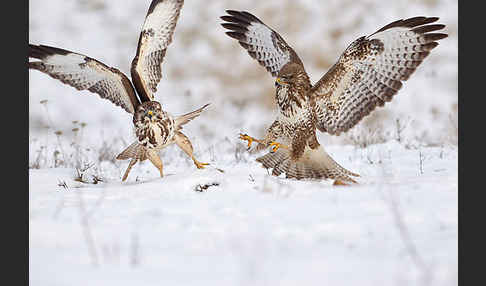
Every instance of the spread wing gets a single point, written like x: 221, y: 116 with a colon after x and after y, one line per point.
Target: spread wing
x: 186, y: 118
x: 371, y: 70
x: 155, y: 37
x: 85, y: 73
x: 262, y: 43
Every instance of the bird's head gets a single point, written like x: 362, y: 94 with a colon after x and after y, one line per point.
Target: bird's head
x: 291, y: 74
x: 282, y: 81
x: 149, y: 111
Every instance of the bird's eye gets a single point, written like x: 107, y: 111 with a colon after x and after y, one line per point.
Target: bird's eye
x: 281, y: 81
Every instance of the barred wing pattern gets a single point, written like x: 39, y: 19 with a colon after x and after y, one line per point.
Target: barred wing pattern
x: 370, y: 72
x: 262, y: 43
x: 155, y: 37
x: 85, y: 73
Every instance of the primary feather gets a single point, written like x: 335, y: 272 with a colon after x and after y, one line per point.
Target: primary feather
x: 155, y: 37
x: 84, y: 73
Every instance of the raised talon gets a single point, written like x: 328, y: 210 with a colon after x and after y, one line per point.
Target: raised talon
x: 247, y: 138
x: 275, y: 146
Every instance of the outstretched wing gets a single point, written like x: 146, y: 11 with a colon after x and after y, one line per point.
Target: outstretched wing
x: 371, y: 70
x: 262, y: 43
x: 85, y: 73
x: 186, y: 118
x: 155, y: 37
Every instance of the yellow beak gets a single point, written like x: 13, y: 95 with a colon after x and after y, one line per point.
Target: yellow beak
x: 150, y: 112
x: 279, y: 81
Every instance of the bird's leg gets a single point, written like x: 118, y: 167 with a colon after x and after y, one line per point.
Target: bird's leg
x: 312, y: 142
x: 154, y: 157
x: 273, y: 132
x: 262, y: 143
x: 250, y: 139
x: 183, y: 142
x: 299, y: 143
x: 130, y: 165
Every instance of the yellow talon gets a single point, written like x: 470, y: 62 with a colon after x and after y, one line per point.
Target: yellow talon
x: 247, y: 138
x: 275, y: 146
x: 200, y: 165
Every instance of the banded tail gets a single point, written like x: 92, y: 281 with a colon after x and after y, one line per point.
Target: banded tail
x: 314, y: 164
x: 134, y: 151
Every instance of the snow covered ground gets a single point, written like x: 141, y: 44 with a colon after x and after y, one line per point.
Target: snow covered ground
x: 399, y: 226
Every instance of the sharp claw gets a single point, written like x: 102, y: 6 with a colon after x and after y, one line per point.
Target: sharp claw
x: 200, y: 165
x: 247, y: 138
x: 275, y: 146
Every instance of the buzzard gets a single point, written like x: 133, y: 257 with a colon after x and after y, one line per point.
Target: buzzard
x: 368, y: 74
x: 154, y: 127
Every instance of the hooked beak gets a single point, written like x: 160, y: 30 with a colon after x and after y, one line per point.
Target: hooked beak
x: 150, y: 114
x: 279, y: 81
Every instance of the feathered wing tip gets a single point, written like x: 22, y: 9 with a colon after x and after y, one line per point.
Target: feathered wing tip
x: 314, y: 164
x: 184, y: 119
x: 134, y: 151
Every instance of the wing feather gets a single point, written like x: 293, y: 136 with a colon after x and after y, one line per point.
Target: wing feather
x: 154, y: 39
x: 186, y: 118
x: 371, y: 70
x: 261, y: 42
x: 85, y: 73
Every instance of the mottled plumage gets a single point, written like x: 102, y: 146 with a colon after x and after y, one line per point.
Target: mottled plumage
x: 155, y: 37
x: 368, y: 74
x: 154, y: 127
x: 85, y: 73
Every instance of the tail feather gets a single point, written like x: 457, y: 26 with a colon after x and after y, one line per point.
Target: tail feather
x: 314, y: 164
x: 280, y: 167
x: 294, y: 170
x: 134, y: 151
x: 271, y: 160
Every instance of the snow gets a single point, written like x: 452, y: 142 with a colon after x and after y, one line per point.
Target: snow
x: 251, y: 228
x: 399, y: 226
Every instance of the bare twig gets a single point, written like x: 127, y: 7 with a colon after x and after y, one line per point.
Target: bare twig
x: 203, y: 187
x: 421, y: 158
x: 60, y: 206
x: 400, y: 126
x: 58, y: 135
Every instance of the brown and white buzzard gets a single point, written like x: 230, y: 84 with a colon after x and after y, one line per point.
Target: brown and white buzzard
x: 154, y: 127
x: 368, y: 74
